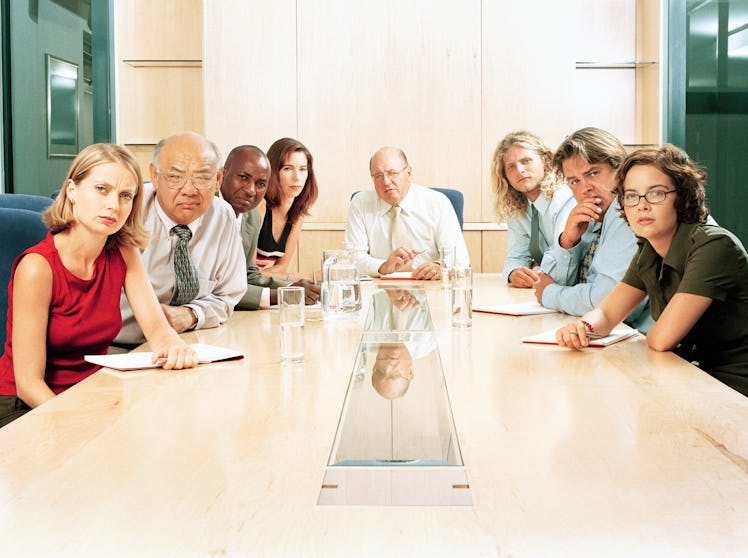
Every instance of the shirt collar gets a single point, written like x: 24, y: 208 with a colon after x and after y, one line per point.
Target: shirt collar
x: 541, y: 203
x: 406, y: 204
x: 169, y: 224
x: 676, y: 254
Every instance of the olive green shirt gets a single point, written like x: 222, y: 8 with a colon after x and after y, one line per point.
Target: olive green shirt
x: 708, y: 261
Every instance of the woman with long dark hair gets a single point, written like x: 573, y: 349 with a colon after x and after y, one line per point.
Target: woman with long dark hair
x: 292, y: 190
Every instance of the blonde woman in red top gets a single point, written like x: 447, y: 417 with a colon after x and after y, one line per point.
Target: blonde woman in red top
x: 64, y: 292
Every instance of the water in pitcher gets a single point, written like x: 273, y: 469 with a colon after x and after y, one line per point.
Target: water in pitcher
x: 341, y: 292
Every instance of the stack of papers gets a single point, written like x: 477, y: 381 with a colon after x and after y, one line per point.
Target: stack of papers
x: 518, y: 309
x: 402, y: 275
x: 549, y: 338
x: 142, y: 361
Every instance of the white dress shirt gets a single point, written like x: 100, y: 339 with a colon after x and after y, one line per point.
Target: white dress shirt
x: 216, y: 252
x: 428, y: 216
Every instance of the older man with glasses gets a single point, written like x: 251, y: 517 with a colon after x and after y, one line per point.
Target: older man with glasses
x: 194, y: 259
x: 401, y: 226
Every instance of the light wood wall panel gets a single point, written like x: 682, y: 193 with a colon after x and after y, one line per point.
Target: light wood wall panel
x: 648, y: 77
x: 160, y: 29
x: 604, y: 30
x: 158, y: 48
x: 528, y: 76
x: 387, y: 73
x: 605, y: 97
x: 613, y: 110
x: 155, y: 102
x: 444, y: 83
x: 473, y: 243
x: 250, y: 73
x: 494, y: 247
x: 311, y: 245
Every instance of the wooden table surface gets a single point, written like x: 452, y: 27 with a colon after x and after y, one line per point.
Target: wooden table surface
x: 605, y: 452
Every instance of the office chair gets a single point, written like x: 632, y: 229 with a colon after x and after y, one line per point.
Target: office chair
x: 19, y: 229
x: 456, y: 199
x: 25, y: 201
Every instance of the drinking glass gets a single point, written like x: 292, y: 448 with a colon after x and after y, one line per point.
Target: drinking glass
x: 461, y: 296
x: 446, y: 262
x: 291, y: 317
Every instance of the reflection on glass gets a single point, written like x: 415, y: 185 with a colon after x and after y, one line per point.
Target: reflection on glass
x: 396, y: 309
x: 62, y: 107
x: 392, y: 371
x: 397, y: 409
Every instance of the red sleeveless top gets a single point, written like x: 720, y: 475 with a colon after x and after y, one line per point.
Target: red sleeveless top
x: 84, y: 318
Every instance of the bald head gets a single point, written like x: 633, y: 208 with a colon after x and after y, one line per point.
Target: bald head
x: 391, y: 174
x: 392, y: 371
x: 184, y: 139
x: 183, y: 172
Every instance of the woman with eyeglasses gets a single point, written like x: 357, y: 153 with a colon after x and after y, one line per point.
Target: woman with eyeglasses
x: 695, y: 274
x: 291, y: 192
x: 65, y: 292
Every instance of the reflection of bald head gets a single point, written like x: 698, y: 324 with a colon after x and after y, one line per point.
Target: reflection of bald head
x: 392, y: 371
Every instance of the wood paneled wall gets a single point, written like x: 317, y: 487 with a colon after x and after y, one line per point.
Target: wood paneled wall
x: 443, y: 80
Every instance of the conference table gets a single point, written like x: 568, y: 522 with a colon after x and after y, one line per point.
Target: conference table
x: 615, y: 451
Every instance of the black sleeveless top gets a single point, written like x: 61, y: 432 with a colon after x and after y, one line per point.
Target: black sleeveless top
x: 268, y: 250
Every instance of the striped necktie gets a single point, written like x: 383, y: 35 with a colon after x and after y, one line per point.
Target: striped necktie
x: 398, y: 232
x: 184, y: 272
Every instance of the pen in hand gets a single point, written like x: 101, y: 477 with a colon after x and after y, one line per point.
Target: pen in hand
x: 589, y: 334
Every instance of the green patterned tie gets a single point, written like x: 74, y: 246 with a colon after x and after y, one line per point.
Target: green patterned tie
x: 184, y: 272
x: 535, y: 252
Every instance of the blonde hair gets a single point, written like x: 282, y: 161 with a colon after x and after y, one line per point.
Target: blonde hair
x: 59, y: 216
x: 509, y: 202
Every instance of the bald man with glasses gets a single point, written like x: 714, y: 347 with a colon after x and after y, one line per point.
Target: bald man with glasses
x: 194, y: 259
x: 400, y: 226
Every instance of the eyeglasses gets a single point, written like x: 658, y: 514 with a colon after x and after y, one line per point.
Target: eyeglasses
x: 631, y: 199
x: 176, y: 181
x: 392, y: 175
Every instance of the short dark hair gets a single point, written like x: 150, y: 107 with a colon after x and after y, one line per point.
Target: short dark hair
x: 244, y: 149
x: 593, y: 145
x: 688, y: 179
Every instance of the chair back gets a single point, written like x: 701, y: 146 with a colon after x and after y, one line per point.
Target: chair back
x: 457, y: 200
x: 19, y: 229
x: 25, y: 201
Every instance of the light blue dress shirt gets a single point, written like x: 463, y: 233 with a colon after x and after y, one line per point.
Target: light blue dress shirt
x: 552, y: 218
x: 614, y: 252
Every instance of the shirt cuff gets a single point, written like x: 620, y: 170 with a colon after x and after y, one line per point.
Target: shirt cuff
x: 265, y: 298
x: 550, y: 296
x: 198, y: 314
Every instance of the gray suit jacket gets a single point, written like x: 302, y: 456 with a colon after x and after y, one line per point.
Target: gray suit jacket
x: 256, y: 281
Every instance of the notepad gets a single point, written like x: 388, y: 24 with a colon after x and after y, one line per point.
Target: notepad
x: 517, y: 309
x: 401, y: 275
x: 549, y: 338
x: 142, y: 360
